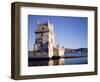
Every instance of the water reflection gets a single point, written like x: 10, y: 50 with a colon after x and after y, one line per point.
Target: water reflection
x: 46, y: 62
x: 60, y: 61
x: 56, y: 62
x: 69, y: 59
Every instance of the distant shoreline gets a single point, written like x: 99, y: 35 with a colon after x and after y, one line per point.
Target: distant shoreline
x: 72, y: 50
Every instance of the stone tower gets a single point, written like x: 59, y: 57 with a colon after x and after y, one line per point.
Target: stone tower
x: 44, y: 40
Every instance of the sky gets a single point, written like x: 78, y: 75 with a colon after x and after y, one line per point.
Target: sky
x: 70, y: 32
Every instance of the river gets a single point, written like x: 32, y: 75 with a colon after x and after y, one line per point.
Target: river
x: 72, y: 58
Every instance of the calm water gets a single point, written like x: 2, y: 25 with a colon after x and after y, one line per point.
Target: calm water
x: 71, y: 59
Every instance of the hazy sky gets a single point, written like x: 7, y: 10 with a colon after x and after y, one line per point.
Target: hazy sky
x: 70, y: 32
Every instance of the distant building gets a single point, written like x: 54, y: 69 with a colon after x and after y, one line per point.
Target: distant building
x: 44, y: 41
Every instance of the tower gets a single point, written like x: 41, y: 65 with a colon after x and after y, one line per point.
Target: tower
x: 44, y: 40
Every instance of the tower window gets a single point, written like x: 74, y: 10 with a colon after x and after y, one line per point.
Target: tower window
x: 42, y: 28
